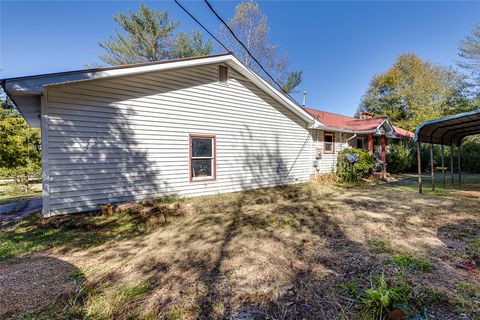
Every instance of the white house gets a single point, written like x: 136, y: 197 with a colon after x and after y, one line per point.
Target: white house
x: 182, y: 127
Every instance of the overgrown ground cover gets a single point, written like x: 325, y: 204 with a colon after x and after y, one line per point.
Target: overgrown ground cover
x: 306, y: 251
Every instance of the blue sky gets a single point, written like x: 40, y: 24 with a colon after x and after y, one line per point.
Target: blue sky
x: 338, y: 45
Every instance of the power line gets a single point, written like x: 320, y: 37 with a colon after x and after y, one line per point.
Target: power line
x: 246, y: 49
x: 201, y: 25
x: 233, y: 34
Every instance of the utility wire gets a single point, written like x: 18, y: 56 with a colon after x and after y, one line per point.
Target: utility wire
x: 246, y: 49
x: 233, y: 34
x: 201, y: 25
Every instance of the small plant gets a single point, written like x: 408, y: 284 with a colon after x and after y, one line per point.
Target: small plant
x: 468, y: 297
x: 380, y: 245
x: 473, y: 251
x: 350, y: 287
x: 413, y: 263
x: 380, y: 298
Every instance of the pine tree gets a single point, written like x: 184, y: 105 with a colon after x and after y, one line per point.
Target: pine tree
x: 148, y: 35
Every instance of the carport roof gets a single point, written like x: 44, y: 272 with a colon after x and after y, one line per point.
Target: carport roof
x: 448, y: 130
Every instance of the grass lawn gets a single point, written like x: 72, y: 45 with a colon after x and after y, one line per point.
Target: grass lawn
x: 10, y: 192
x: 307, y: 251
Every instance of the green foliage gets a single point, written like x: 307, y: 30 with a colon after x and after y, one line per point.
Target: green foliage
x: 380, y: 297
x: 413, y: 91
x: 191, y: 45
x: 293, y: 80
x: 17, y: 141
x: 468, y: 297
x: 470, y: 160
x: 473, y: 250
x: 469, y: 51
x: 148, y: 35
x: 19, y: 158
x: 350, y: 287
x: 401, y: 156
x: 412, y: 263
x: 379, y: 245
x: 361, y: 168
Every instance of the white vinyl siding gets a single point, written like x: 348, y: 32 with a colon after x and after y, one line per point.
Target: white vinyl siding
x: 126, y: 138
x: 328, y: 161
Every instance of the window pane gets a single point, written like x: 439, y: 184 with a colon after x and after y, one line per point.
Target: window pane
x: 328, y: 147
x: 202, y: 147
x: 201, y: 168
x: 328, y: 138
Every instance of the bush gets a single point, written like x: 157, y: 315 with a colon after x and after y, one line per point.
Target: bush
x: 470, y: 161
x: 401, y: 157
x: 361, y: 168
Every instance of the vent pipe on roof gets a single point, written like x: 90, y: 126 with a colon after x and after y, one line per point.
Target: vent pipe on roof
x: 304, y: 97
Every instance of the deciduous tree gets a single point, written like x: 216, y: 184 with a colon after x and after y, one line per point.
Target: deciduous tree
x: 413, y: 91
x: 249, y: 24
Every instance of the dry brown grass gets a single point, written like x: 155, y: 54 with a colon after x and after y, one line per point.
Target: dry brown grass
x: 271, y: 253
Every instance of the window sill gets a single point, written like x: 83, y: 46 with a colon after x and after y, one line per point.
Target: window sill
x: 206, y: 179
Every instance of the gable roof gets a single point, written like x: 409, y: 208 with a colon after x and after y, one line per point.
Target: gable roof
x: 350, y: 123
x: 34, y: 85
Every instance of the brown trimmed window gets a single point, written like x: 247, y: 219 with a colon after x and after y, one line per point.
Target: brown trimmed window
x: 328, y: 142
x: 202, y: 157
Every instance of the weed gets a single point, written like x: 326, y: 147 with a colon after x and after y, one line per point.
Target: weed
x: 468, y: 297
x: 380, y: 245
x: 473, y: 250
x: 78, y: 273
x: 412, y: 263
x: 350, y: 287
x: 380, y: 298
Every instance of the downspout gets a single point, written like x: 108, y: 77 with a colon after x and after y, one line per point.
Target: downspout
x: 352, y: 137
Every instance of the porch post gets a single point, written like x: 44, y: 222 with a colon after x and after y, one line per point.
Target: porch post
x: 451, y: 163
x: 419, y: 166
x: 432, y: 167
x: 384, y: 156
x: 443, y: 164
x: 370, y: 143
x: 459, y: 153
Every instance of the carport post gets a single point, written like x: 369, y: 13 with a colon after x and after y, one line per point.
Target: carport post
x: 451, y: 163
x: 443, y: 164
x: 419, y: 166
x: 459, y: 153
x: 432, y: 167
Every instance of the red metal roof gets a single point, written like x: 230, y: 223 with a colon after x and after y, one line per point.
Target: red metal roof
x: 351, y: 123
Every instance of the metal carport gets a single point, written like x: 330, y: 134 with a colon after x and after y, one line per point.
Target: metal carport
x: 446, y: 131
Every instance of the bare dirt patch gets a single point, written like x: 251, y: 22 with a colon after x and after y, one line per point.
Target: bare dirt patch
x: 33, y: 282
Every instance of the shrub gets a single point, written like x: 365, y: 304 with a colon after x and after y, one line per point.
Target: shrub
x: 361, y: 168
x: 401, y: 157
